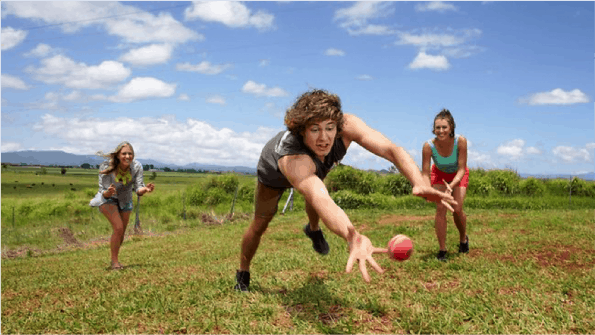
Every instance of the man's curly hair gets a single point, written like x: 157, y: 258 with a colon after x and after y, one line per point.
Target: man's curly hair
x: 312, y: 107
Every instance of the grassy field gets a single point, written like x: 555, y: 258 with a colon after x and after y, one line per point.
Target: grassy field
x: 530, y: 268
x: 527, y: 272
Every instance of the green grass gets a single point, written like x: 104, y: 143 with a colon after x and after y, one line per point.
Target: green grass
x: 527, y: 272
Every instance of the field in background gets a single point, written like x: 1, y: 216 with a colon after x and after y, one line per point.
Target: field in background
x: 42, y: 211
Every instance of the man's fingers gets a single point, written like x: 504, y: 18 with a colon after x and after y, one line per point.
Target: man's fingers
x: 447, y: 205
x: 350, y: 261
x: 364, y: 271
x: 447, y: 185
x: 379, y: 250
x: 375, y: 265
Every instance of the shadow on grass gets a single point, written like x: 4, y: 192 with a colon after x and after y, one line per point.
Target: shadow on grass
x: 320, y: 307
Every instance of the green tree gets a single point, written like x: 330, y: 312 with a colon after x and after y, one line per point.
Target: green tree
x: 86, y: 166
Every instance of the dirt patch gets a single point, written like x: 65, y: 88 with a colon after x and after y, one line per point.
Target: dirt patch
x: 547, y: 256
x: 333, y: 315
x: 442, y: 287
x: 21, y: 252
x: 391, y: 219
x: 68, y: 237
x: 212, y: 219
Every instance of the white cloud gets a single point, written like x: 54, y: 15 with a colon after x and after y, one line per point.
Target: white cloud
x: 11, y: 146
x: 183, y: 97
x: 533, y: 151
x: 72, y: 96
x: 364, y: 77
x: 9, y: 81
x: 127, y: 22
x: 216, y: 99
x: 12, y: 37
x: 204, y: 67
x: 435, y: 6
x: 262, y: 90
x: 264, y: 62
x: 478, y: 158
x: 514, y: 148
x: 359, y: 157
x: 40, y: 51
x: 144, y: 88
x: 355, y: 19
x: 371, y: 29
x: 148, y: 55
x: 334, y: 52
x: 437, y: 40
x: 230, y: 13
x: 572, y: 155
x: 160, y: 138
x: 556, y: 97
x: 425, y: 61
x: 63, y: 70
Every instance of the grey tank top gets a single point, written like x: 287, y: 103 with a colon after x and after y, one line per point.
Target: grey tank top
x: 284, y: 144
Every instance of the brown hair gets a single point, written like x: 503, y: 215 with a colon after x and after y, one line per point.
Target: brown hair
x: 445, y: 114
x: 311, y: 107
x: 114, y: 161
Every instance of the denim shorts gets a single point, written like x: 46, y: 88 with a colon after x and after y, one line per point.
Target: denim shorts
x: 113, y: 201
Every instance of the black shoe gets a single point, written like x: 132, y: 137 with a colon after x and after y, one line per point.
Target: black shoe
x: 441, y: 255
x: 464, y: 247
x: 242, y: 280
x: 318, y: 242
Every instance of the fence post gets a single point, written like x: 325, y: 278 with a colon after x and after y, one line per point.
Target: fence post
x: 570, y: 192
x: 234, y: 200
x: 137, y: 221
x: 184, y: 203
x: 289, y: 199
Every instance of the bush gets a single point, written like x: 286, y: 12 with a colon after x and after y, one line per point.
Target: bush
x: 532, y: 187
x: 395, y: 184
x: 580, y: 187
x: 227, y: 183
x: 196, y: 195
x: 480, y: 185
x: 246, y: 193
x: 349, y: 200
x: 504, y: 181
x: 345, y: 177
x: 557, y: 187
x: 216, y: 196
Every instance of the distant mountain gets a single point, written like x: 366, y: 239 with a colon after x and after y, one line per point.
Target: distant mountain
x: 31, y: 157
x: 584, y: 176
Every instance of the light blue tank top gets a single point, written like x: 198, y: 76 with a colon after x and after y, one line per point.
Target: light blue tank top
x: 448, y: 164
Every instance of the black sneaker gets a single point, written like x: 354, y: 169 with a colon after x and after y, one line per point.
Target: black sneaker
x: 464, y: 247
x: 318, y: 242
x: 242, y: 280
x: 441, y: 255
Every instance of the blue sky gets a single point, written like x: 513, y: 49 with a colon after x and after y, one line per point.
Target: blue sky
x: 209, y: 82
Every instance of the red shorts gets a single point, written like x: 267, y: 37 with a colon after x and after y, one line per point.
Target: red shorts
x: 437, y: 176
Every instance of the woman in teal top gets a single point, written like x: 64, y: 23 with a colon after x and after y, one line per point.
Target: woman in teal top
x: 448, y: 174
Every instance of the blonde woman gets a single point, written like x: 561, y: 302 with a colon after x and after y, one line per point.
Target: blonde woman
x: 117, y: 178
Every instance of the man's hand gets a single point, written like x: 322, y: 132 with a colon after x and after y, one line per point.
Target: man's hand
x: 431, y: 194
x: 361, y: 249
